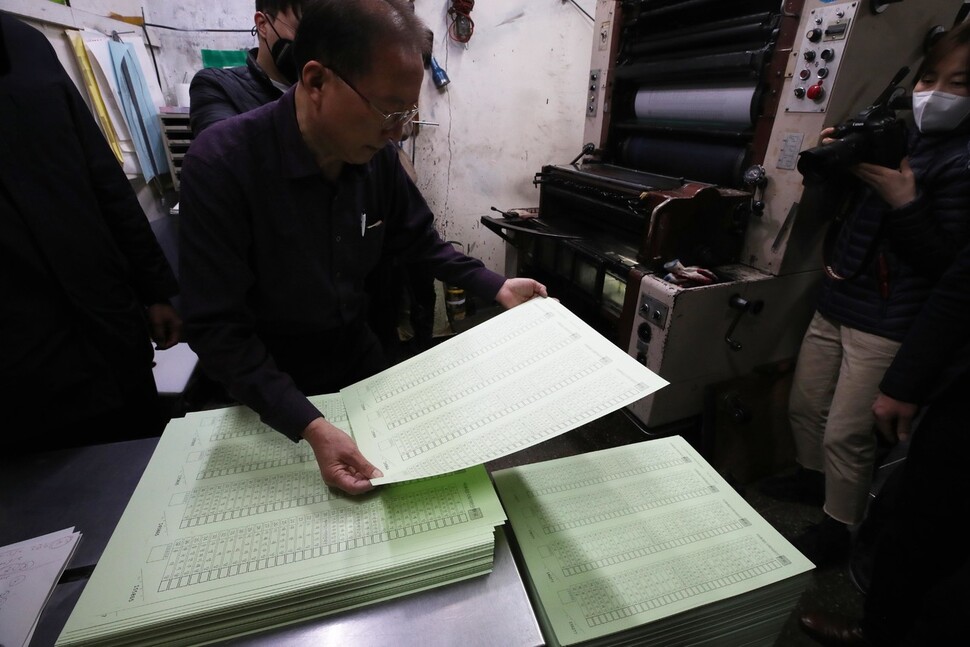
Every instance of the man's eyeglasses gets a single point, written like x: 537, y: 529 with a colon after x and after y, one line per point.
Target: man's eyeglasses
x: 392, y: 120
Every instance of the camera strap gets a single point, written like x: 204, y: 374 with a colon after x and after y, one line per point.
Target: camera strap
x: 848, y: 206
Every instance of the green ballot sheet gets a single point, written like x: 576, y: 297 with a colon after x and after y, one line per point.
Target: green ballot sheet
x: 530, y: 374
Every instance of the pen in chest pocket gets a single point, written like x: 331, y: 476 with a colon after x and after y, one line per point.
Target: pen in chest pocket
x: 363, y: 223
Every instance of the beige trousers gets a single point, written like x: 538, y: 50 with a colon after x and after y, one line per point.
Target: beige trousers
x: 835, y: 383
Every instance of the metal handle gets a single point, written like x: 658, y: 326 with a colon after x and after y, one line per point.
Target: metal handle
x: 742, y: 305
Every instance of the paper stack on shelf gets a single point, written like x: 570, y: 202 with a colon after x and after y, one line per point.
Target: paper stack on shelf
x: 231, y: 530
x: 648, y: 544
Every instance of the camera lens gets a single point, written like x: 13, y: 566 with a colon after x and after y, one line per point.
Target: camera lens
x: 822, y: 162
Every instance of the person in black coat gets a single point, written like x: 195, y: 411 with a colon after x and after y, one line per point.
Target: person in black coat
x: 84, y: 281
x: 218, y: 93
x: 920, y: 567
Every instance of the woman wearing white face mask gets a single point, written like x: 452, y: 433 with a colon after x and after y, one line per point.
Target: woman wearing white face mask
x: 940, y: 101
x: 905, y: 232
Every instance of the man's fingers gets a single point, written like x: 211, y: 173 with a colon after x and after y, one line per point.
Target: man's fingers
x: 904, y: 428
x: 360, y: 465
x: 348, y: 481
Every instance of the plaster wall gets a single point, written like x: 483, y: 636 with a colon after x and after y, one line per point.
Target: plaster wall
x: 516, y: 100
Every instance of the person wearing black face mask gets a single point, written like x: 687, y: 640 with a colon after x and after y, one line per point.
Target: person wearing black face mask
x: 280, y: 67
x: 216, y: 94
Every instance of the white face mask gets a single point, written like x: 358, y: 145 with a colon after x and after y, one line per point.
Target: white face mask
x: 939, y: 112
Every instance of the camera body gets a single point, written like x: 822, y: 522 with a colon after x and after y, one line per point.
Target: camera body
x: 875, y: 135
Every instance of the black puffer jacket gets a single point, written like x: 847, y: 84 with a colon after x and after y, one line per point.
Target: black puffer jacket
x: 911, y: 246
x: 936, y: 351
x: 219, y: 93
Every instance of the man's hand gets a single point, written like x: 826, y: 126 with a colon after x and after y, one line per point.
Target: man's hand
x: 897, y: 188
x: 894, y: 418
x: 341, y: 463
x: 165, y: 325
x: 517, y: 291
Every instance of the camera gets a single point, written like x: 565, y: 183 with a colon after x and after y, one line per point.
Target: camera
x: 874, y: 135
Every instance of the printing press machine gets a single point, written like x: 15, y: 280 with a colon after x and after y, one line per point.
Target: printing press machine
x: 697, y: 111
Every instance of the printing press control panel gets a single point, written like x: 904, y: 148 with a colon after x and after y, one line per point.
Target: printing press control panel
x: 817, y: 56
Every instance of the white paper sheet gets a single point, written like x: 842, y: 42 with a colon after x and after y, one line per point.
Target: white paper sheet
x: 96, y: 44
x: 29, y: 571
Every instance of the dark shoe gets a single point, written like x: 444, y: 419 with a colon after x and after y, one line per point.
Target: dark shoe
x: 804, y: 486
x: 833, y: 630
x: 826, y: 543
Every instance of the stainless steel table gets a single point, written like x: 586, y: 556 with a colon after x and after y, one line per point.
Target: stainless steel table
x: 482, y: 612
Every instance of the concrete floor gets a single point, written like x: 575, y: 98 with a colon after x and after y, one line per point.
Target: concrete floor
x: 831, y: 589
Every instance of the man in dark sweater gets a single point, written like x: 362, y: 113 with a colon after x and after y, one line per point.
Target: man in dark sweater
x: 218, y: 94
x: 286, y: 209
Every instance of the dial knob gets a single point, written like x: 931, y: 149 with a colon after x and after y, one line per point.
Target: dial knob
x: 814, y: 34
x: 756, y: 175
x: 809, y: 55
x: 799, y: 93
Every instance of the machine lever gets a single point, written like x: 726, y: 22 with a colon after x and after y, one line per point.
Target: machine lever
x: 587, y: 149
x: 742, y: 305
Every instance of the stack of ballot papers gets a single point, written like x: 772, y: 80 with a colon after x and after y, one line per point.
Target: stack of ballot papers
x: 647, y: 544
x: 231, y: 529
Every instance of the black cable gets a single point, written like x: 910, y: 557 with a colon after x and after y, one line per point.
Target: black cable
x: 145, y: 25
x: 580, y: 8
x: 148, y: 42
x: 235, y: 31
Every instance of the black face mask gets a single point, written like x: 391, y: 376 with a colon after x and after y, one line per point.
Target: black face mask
x: 282, y: 52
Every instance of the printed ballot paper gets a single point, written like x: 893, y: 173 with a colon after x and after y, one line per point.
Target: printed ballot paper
x: 530, y: 374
